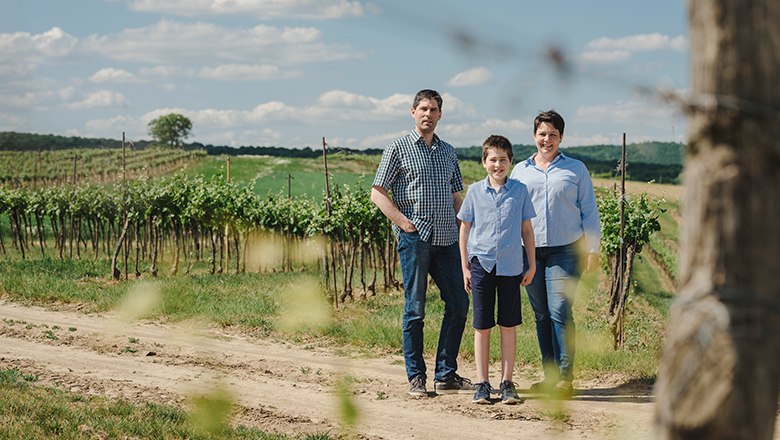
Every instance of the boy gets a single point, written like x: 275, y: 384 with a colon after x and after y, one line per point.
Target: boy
x: 495, y: 215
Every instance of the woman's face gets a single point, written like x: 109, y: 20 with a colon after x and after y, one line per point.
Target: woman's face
x: 547, y: 139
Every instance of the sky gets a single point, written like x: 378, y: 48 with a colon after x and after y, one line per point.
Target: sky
x: 287, y: 73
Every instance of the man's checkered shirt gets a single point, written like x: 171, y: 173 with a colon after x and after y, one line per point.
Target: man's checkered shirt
x: 422, y: 180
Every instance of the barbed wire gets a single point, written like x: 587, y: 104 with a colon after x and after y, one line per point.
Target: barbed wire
x: 475, y: 44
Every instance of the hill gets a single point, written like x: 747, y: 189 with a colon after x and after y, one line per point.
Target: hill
x: 659, y: 161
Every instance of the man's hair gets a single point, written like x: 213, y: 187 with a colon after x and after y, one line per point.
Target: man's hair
x: 426, y: 94
x: 551, y: 117
x: 497, y: 142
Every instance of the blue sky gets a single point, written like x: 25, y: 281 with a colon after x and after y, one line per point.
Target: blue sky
x: 289, y: 72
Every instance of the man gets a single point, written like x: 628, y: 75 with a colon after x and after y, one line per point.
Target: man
x: 423, y: 174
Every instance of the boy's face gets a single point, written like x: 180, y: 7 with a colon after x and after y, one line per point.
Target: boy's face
x: 497, y: 164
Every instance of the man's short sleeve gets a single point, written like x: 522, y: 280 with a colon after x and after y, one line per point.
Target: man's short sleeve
x: 456, y: 182
x: 388, y: 168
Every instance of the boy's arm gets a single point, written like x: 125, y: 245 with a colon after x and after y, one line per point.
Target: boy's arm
x: 530, y: 250
x: 465, y: 230
x: 382, y: 201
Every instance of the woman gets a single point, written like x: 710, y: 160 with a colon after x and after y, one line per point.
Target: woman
x: 566, y: 219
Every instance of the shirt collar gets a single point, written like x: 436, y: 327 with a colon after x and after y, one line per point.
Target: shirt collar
x: 416, y: 137
x: 506, y: 184
x: 530, y: 161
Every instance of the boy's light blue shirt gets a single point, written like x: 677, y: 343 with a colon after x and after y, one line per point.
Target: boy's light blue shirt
x: 496, y: 219
x: 564, y: 202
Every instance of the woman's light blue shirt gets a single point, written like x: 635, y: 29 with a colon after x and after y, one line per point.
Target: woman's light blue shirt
x: 497, y: 225
x: 564, y: 202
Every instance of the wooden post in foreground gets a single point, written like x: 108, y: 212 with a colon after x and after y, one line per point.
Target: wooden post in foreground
x: 720, y: 371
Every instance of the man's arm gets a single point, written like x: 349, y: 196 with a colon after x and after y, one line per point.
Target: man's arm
x: 457, y: 201
x: 382, y: 201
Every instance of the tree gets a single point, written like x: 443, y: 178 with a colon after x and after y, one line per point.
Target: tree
x: 170, y: 129
x: 720, y: 370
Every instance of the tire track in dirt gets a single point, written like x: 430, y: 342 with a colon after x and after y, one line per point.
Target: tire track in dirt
x: 281, y: 387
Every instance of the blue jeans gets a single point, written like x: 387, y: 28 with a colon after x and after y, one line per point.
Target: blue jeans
x: 551, y: 294
x: 418, y: 259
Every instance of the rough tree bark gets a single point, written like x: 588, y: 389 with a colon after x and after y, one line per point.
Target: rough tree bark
x: 720, y: 371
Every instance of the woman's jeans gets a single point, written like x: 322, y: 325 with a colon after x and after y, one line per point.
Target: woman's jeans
x: 551, y: 294
x: 418, y: 259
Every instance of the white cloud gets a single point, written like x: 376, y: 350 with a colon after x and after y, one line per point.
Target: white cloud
x: 99, y: 99
x: 67, y: 93
x: 111, y: 75
x: 34, y: 100
x: 299, y: 9
x: 168, y: 42
x: 475, y: 132
x: 613, y: 50
x: 113, y: 128
x: 639, y: 43
x: 641, y: 120
x: 19, y: 101
x: 161, y: 71
x: 24, y: 47
x: 246, y: 72
x: 11, y: 122
x: 472, y: 77
x: 381, y: 140
x: 17, y: 69
x: 605, y: 56
x: 596, y: 139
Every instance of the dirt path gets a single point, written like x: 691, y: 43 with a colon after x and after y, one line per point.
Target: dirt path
x: 281, y: 387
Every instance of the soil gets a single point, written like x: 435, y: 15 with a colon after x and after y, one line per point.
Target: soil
x: 288, y: 388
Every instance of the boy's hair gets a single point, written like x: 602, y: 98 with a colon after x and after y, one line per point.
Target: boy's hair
x: 497, y: 142
x: 427, y: 94
x: 551, y: 117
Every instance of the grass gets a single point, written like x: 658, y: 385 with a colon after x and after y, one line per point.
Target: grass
x: 269, y: 175
x: 248, y: 300
x: 38, y: 412
x: 252, y: 303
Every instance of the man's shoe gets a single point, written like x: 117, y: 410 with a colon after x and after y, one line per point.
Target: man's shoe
x: 509, y: 393
x: 563, y: 390
x: 454, y: 385
x: 417, y: 386
x: 482, y: 394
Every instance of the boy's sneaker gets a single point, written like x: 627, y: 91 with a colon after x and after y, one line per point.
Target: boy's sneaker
x: 454, y: 385
x: 509, y: 393
x: 417, y: 386
x: 482, y: 394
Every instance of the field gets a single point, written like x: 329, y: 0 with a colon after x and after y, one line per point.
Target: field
x: 158, y: 350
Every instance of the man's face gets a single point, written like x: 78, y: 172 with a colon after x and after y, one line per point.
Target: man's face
x: 426, y: 115
x: 547, y: 139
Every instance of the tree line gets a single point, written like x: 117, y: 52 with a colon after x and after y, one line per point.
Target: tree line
x: 658, y: 161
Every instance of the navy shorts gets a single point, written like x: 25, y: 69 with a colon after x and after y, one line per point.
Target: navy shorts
x: 485, y: 287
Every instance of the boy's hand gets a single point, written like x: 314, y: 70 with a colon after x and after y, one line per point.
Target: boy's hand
x: 528, y: 276
x: 467, y: 278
